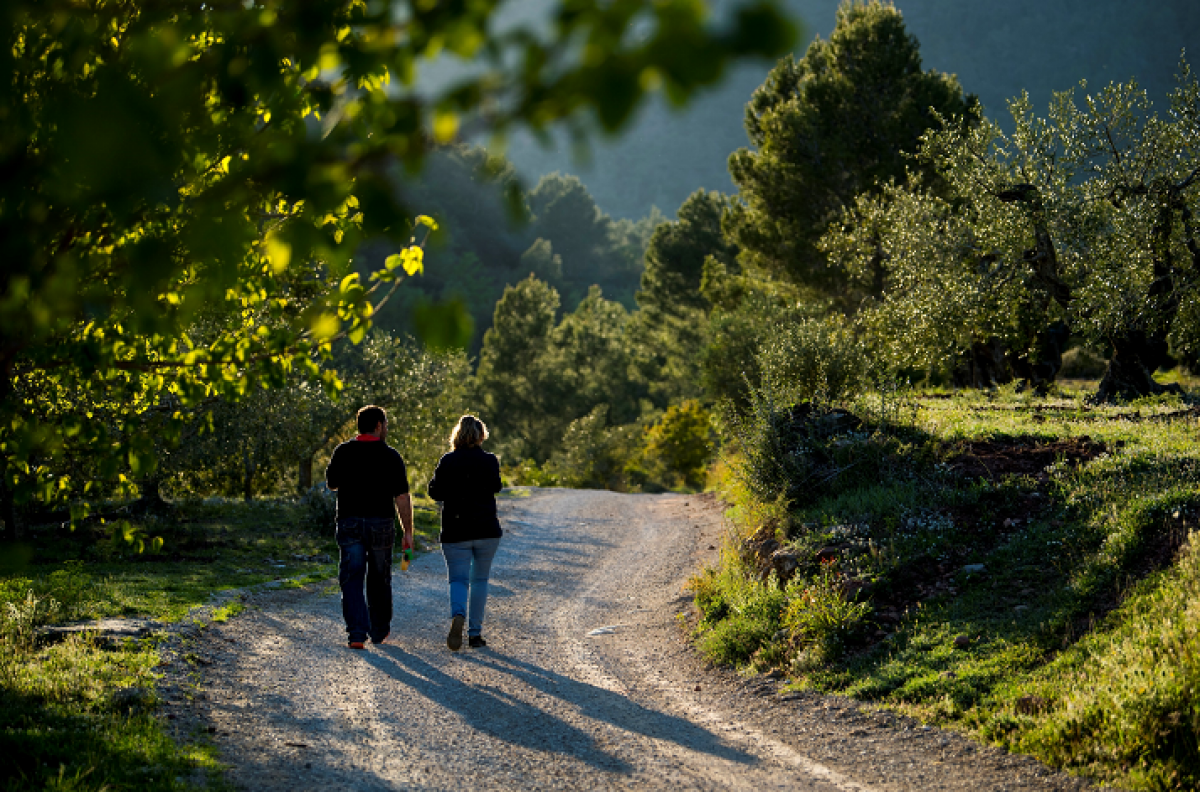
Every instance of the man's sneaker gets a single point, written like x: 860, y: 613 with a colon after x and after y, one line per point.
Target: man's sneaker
x: 476, y: 642
x: 381, y: 640
x: 357, y: 645
x: 454, y: 639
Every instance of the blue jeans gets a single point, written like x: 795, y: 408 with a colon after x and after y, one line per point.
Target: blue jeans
x: 468, y: 565
x: 366, y: 553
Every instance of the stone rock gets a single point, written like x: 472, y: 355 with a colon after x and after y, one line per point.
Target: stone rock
x: 974, y: 569
x: 962, y: 642
x: 784, y: 563
x: 109, y: 633
x: 1031, y: 705
x: 826, y: 554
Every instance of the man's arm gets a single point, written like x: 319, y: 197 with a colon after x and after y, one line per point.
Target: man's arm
x: 331, y: 474
x: 404, y: 510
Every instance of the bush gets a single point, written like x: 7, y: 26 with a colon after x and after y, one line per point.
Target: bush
x: 740, y: 611
x: 527, y: 473
x: 64, y: 595
x: 678, y: 448
x: 592, y: 454
x: 1082, y: 363
x: 320, y: 509
x: 816, y: 360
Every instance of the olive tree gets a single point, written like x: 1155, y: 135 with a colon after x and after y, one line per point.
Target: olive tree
x: 1081, y: 221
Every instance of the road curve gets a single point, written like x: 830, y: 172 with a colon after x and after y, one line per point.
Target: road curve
x: 585, y: 683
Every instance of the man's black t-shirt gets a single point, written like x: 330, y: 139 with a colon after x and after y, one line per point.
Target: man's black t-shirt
x: 368, y: 475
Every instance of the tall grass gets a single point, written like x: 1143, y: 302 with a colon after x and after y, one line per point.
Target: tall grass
x: 1048, y: 613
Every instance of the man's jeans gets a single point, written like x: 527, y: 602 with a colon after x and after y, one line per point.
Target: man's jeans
x: 366, y: 552
x: 468, y: 565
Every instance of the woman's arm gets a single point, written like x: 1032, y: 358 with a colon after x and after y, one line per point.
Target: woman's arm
x: 497, y: 482
x: 437, y: 484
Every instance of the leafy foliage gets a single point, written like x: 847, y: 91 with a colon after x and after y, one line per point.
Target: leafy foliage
x: 536, y: 376
x: 827, y: 128
x: 187, y: 183
x: 1084, y: 217
x: 679, y: 446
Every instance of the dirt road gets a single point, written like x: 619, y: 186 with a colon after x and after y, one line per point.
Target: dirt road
x: 586, y: 682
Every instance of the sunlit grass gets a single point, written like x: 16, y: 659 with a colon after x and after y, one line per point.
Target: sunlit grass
x: 1078, y: 641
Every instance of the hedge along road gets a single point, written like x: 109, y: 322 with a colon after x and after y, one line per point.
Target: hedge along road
x: 586, y: 682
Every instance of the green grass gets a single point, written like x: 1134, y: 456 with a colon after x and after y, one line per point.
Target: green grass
x: 1076, y: 643
x: 79, y: 717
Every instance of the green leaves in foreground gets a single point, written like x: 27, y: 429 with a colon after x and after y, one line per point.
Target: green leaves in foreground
x: 186, y: 184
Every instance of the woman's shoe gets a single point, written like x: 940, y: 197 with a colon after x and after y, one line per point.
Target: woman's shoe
x: 454, y: 639
x: 476, y: 642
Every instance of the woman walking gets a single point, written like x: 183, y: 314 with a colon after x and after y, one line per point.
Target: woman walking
x: 466, y: 482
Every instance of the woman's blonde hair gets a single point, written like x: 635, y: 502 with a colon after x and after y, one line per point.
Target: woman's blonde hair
x: 469, y: 431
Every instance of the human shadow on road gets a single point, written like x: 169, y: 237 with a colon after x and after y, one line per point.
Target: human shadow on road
x: 614, y: 708
x: 493, y: 711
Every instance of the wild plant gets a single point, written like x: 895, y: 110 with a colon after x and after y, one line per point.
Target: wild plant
x: 819, y: 616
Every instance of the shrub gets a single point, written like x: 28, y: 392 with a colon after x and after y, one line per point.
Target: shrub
x: 678, y: 448
x: 1082, y: 363
x: 320, y: 509
x: 20, y: 619
x: 527, y: 473
x: 813, y: 360
x: 593, y: 454
x: 740, y: 611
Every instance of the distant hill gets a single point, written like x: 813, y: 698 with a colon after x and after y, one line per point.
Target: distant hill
x: 996, y: 49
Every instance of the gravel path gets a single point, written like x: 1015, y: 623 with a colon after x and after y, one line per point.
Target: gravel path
x: 585, y: 683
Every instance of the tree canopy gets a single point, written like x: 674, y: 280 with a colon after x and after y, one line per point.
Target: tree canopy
x: 1083, y: 218
x: 187, y: 182
x: 824, y: 129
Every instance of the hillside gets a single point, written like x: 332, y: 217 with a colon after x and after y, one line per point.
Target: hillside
x: 997, y: 50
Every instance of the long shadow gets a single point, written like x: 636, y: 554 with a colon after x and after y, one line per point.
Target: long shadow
x: 476, y: 705
x: 493, y: 712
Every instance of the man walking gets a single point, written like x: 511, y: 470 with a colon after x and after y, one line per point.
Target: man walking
x: 371, y: 484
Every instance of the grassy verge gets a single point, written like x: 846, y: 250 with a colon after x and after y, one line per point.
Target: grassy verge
x: 77, y: 715
x: 1014, y: 567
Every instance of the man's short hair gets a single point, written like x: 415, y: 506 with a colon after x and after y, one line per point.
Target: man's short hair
x: 370, y: 417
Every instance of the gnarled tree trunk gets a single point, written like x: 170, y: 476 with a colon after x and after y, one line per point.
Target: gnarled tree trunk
x: 1130, y: 370
x: 984, y: 366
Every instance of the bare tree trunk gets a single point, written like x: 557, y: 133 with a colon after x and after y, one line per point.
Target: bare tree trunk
x: 8, y: 513
x: 305, y: 473
x: 248, y: 468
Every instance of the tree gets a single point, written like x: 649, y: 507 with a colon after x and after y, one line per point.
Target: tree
x: 172, y: 162
x: 269, y: 440
x: 839, y: 122
x: 669, y: 325
x: 1082, y: 220
x: 509, y: 376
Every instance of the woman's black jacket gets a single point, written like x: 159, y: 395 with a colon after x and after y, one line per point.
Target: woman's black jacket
x: 466, y: 482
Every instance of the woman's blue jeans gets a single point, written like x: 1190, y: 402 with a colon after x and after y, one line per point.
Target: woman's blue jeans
x: 468, y: 565
x: 366, y: 554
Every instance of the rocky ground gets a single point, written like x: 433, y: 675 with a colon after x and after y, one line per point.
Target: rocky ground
x: 587, y: 681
